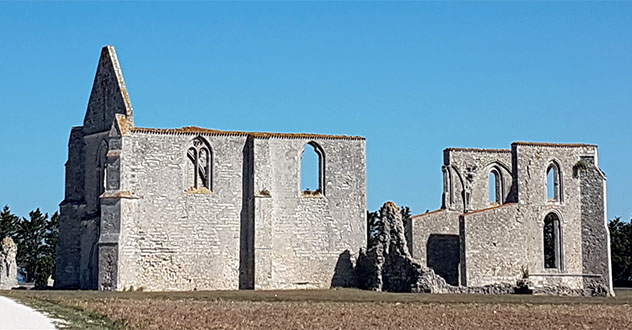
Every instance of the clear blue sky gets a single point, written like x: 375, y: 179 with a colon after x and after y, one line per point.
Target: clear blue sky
x: 413, y: 78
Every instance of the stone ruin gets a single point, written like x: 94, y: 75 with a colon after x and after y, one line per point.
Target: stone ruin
x: 8, y: 264
x: 388, y: 266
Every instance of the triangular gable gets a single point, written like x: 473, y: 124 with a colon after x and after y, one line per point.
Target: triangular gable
x: 109, y: 95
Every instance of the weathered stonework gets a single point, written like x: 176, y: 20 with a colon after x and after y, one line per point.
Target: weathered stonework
x: 194, y: 208
x: 476, y: 241
x: 388, y: 266
x: 8, y: 265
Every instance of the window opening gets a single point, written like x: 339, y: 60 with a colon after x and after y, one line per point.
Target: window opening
x: 312, y: 166
x: 552, y: 242
x: 553, y: 187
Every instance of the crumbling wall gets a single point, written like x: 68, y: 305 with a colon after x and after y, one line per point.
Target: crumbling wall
x: 470, y: 170
x: 388, y: 266
x: 8, y: 265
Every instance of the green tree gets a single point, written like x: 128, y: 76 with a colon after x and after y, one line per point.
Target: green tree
x: 621, y: 250
x: 31, y: 240
x: 8, y: 223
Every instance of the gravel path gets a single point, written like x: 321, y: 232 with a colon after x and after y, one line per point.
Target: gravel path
x: 16, y: 316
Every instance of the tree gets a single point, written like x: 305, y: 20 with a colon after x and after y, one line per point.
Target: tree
x: 621, y: 250
x: 8, y: 223
x: 36, y: 240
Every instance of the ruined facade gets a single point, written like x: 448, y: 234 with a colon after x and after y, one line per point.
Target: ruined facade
x: 193, y: 208
x: 537, y: 209
x: 8, y: 264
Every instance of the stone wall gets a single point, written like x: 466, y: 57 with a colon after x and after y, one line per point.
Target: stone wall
x: 595, y: 235
x: 468, y: 175
x: 8, y: 264
x: 498, y: 241
x: 434, y: 241
x: 299, y: 237
x: 172, y: 239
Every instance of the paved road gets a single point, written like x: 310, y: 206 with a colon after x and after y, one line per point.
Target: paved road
x: 16, y: 316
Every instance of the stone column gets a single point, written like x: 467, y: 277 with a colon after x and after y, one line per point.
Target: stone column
x: 8, y: 264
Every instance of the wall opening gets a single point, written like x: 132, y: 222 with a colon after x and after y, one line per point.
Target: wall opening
x: 553, y: 183
x: 552, y: 242
x: 312, y: 170
x: 443, y: 256
x: 495, y: 187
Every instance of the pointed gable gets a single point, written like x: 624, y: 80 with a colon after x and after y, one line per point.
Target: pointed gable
x: 109, y: 95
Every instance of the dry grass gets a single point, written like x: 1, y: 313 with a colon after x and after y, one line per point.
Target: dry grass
x: 338, y: 309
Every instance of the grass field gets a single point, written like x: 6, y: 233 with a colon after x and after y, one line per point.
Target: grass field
x: 326, y: 309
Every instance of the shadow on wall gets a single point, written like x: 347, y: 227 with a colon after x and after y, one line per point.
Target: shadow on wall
x: 443, y: 256
x: 344, y: 273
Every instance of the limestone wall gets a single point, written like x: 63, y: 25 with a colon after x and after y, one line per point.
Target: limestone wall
x: 172, y: 239
x: 299, y: 238
x: 434, y: 241
x: 469, y: 170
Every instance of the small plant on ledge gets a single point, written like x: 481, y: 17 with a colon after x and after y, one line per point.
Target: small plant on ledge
x: 580, y: 166
x: 308, y: 192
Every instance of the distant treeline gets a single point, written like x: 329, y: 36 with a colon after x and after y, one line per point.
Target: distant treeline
x: 36, y: 238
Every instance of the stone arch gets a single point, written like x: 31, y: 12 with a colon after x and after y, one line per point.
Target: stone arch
x: 496, y: 185
x: 554, y: 187
x: 320, y: 167
x: 458, y: 189
x: 552, y: 239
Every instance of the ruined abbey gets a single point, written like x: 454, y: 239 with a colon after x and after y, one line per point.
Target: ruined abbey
x: 537, y: 208
x: 193, y: 208
x: 200, y: 209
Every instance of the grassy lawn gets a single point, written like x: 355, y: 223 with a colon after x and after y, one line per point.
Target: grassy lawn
x: 326, y: 309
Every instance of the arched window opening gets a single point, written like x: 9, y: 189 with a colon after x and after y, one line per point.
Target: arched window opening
x: 199, y: 169
x: 312, y: 170
x: 553, y: 186
x: 495, y: 187
x: 102, y: 168
x: 552, y: 242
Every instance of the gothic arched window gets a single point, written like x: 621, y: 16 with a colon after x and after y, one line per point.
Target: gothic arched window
x: 495, y: 186
x: 312, y: 169
x: 552, y: 242
x: 553, y: 183
x: 199, y: 169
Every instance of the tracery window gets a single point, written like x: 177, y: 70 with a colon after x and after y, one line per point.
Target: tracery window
x: 199, y: 169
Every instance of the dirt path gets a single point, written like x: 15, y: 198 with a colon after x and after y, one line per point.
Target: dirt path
x: 16, y: 316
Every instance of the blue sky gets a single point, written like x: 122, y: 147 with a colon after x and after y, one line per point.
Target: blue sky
x: 413, y: 78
